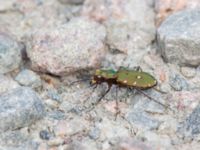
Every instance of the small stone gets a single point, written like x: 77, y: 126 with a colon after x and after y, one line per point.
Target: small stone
x: 45, y: 135
x: 79, y: 44
x: 177, y: 82
x: 10, y: 53
x: 28, y: 78
x: 188, y: 72
x: 19, y: 107
x: 94, y: 133
x: 178, y: 38
x: 51, y: 103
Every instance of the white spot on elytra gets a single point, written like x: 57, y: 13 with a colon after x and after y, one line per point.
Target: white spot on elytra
x: 135, y: 83
x: 125, y: 81
x: 139, y: 77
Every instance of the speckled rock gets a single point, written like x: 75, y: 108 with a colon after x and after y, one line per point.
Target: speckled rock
x: 71, y: 127
x: 177, y: 82
x: 128, y: 32
x: 16, y: 140
x: 178, y: 38
x: 10, y: 53
x: 28, y: 78
x: 188, y: 72
x: 67, y: 48
x: 191, y: 126
x: 8, y: 84
x: 19, y: 107
x: 142, y: 120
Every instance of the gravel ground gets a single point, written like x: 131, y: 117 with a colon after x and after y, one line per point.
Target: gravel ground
x: 47, y: 45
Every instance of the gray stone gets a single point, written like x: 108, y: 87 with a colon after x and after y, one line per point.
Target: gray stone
x: 10, y: 53
x: 8, y: 84
x: 67, y: 48
x: 28, y: 78
x: 191, y: 126
x: 45, y: 135
x: 188, y: 72
x: 94, y: 133
x: 142, y: 119
x: 16, y: 140
x: 179, y: 38
x: 76, y: 2
x: 177, y: 82
x: 19, y: 107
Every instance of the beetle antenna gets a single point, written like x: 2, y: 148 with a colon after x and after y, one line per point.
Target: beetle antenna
x: 158, y: 90
x: 166, y: 106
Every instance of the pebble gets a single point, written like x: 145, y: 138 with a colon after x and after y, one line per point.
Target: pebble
x: 10, y: 53
x: 28, y: 78
x: 20, y: 107
x: 177, y: 82
x: 45, y: 135
x: 94, y: 133
x: 51, y: 103
x: 79, y: 44
x: 181, y: 27
x: 188, y: 72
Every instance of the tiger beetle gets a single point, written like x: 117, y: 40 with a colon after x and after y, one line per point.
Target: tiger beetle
x: 124, y: 78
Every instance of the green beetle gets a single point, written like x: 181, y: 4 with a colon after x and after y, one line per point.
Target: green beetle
x: 135, y: 79
x: 123, y: 77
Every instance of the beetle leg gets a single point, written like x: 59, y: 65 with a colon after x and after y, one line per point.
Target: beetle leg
x: 158, y: 90
x: 109, y: 87
x: 138, y: 68
x: 117, y: 104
